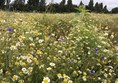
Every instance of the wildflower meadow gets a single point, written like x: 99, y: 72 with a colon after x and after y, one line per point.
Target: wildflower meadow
x: 58, y: 48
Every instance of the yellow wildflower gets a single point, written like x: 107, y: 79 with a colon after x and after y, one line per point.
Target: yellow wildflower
x: 16, y: 63
x: 23, y: 64
x: 20, y: 81
x: 15, y: 78
x: 46, y: 80
x: 84, y: 73
x: 75, y: 73
x: 59, y: 75
x: 84, y: 78
x: 38, y: 52
x: 65, y: 80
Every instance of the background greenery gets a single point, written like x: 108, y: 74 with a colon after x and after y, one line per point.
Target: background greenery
x: 61, y: 7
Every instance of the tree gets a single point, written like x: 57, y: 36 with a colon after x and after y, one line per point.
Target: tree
x: 32, y: 4
x: 54, y: 8
x: 69, y: 6
x: 8, y: 4
x: 19, y: 1
x: 115, y: 10
x: 62, y: 6
x: 99, y: 7
x: 63, y: 2
x: 69, y: 2
x: 42, y: 5
x: 90, y: 5
x: 19, y: 5
x: 81, y: 3
x: 2, y: 2
x: 105, y: 10
x: 96, y: 7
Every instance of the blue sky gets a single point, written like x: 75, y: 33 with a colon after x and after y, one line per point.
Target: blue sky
x: 110, y: 3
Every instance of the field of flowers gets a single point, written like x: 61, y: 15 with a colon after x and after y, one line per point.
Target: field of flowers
x: 57, y: 48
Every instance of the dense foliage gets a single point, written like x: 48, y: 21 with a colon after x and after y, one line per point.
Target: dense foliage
x: 2, y: 2
x: 115, y: 10
x: 41, y: 6
x: 56, y: 49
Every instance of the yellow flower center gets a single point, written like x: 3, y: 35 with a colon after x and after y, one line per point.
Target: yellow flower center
x: 46, y: 81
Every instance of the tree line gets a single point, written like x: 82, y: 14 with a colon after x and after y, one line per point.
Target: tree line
x: 62, y: 7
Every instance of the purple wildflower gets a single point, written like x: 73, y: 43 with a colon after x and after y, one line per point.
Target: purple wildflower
x: 102, y: 57
x: 92, y: 71
x: 10, y: 29
x: 70, y: 61
x: 62, y: 38
x: 96, y: 49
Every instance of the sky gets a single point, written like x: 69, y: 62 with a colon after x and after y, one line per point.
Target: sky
x: 110, y: 3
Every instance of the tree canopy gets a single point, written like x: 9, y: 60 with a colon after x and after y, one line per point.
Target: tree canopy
x: 61, y: 7
x: 114, y: 10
